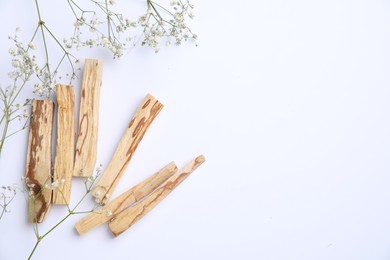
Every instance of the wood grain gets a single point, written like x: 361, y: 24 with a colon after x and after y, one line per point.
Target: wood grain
x: 124, y: 220
x: 142, y: 119
x: 38, y: 165
x: 86, y: 148
x: 125, y: 200
x: 63, y: 165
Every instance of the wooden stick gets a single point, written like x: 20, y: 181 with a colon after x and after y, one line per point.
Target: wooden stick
x: 124, y: 220
x: 63, y: 166
x: 86, y: 148
x: 38, y: 166
x: 144, y: 116
x: 125, y: 200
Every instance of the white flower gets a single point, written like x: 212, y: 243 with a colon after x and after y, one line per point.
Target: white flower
x: 15, y: 63
x: 12, y: 51
x: 90, y: 43
x: 54, y: 185
x: 98, y: 202
x: 32, y: 46
x: 68, y: 43
x: 38, y: 88
x: 13, y: 75
x: 25, y: 114
x: 79, y: 22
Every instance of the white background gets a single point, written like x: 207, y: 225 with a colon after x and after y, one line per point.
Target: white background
x: 290, y: 103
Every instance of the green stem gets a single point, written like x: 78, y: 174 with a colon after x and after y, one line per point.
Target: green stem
x: 40, y: 24
x: 56, y: 225
x: 39, y: 239
x: 162, y: 7
x: 71, y: 7
x: 66, y: 53
x: 45, y: 45
x: 35, y: 247
x: 150, y: 3
x: 19, y: 90
x: 3, y: 210
x: 108, y: 21
x: 5, y: 130
x: 33, y: 37
x: 38, y: 11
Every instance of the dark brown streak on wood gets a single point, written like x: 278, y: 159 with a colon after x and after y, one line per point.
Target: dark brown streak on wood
x: 131, y: 123
x: 145, y: 124
x: 85, y: 116
x: 36, y: 141
x: 36, y: 145
x: 146, y: 104
x: 139, y: 127
x: 37, y: 197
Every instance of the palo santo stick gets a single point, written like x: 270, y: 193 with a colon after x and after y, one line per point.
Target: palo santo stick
x: 63, y: 165
x: 124, y: 220
x: 38, y: 166
x: 86, y: 148
x: 125, y: 200
x: 144, y: 116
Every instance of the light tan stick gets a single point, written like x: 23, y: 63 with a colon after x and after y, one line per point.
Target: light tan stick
x: 144, y: 116
x: 38, y: 166
x: 124, y: 220
x: 86, y: 148
x: 125, y: 200
x: 63, y: 166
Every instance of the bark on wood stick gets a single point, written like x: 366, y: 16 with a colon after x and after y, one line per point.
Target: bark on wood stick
x: 125, y: 200
x: 63, y: 165
x: 38, y: 165
x: 124, y: 220
x: 86, y: 148
x: 144, y: 116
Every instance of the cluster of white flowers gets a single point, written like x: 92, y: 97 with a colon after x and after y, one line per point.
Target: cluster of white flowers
x: 115, y: 23
x: 7, y: 194
x: 25, y: 65
x: 7, y: 190
x: 90, y: 181
x: 158, y: 25
x: 22, y: 61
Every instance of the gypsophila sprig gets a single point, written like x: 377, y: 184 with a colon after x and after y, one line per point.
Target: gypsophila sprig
x: 71, y: 211
x: 7, y: 194
x: 24, y: 65
x: 115, y: 32
x: 171, y: 24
